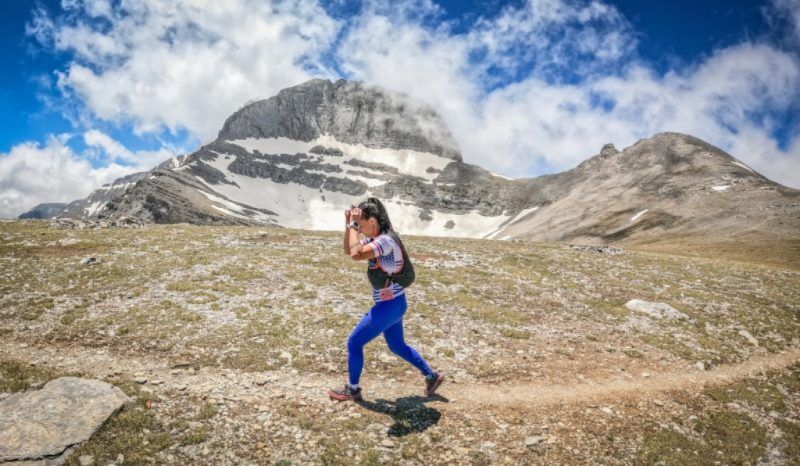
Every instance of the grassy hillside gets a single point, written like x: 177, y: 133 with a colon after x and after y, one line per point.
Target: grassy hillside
x: 239, y: 330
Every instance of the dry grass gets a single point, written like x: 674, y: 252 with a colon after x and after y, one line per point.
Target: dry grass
x: 255, y: 300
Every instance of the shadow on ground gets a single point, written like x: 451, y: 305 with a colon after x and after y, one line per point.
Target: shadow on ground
x: 409, y: 413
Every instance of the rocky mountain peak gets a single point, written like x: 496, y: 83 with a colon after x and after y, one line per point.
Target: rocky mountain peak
x: 608, y: 150
x: 681, y: 154
x: 349, y: 112
x: 301, y: 157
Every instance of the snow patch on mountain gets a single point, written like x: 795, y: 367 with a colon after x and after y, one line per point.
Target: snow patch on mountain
x: 94, y: 208
x: 233, y: 209
x: 406, y: 219
x: 522, y: 214
x: 743, y: 165
x: 633, y: 219
x: 409, y: 162
x: 299, y: 206
x: 296, y: 206
x: 500, y: 228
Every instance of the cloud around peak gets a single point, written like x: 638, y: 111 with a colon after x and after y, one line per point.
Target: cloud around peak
x: 535, y: 88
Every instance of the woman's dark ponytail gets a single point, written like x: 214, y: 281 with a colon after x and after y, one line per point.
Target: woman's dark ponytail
x: 373, y: 208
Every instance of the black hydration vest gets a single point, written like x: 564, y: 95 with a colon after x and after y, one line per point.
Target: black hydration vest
x: 405, y: 277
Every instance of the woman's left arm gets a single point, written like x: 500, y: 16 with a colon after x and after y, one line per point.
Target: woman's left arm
x: 358, y: 251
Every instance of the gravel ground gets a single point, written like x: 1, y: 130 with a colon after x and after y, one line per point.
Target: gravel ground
x: 229, y: 336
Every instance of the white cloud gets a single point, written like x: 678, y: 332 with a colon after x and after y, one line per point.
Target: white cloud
x: 184, y: 64
x: 536, y: 88
x: 137, y: 161
x: 31, y: 173
x: 539, y: 122
x: 789, y: 11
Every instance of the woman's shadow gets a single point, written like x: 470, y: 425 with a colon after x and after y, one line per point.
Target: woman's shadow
x: 409, y: 413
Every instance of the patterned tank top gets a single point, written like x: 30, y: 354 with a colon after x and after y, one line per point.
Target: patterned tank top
x: 388, y: 257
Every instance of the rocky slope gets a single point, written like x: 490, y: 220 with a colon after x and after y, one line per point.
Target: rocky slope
x: 46, y: 210
x: 88, y: 207
x: 299, y: 158
x: 668, y: 186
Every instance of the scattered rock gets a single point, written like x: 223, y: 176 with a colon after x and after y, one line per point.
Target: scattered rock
x: 122, y: 222
x: 656, y: 310
x: 386, y: 443
x: 600, y: 249
x: 86, y: 460
x: 658, y: 402
x: 44, y: 423
x: 90, y: 261
x: 750, y: 338
x: 608, y: 150
x: 700, y: 365
x: 140, y: 380
x: 534, y: 441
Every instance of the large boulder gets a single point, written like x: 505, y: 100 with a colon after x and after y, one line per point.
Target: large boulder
x: 44, y: 423
x: 656, y: 310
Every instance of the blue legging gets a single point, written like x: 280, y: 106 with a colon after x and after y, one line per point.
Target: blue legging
x: 385, y: 317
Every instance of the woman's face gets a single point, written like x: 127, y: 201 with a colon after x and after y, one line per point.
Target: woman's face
x: 369, y: 227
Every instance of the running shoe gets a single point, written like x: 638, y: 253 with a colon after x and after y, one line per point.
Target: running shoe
x: 346, y: 393
x: 432, y: 382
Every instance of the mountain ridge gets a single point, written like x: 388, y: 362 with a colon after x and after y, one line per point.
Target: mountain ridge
x: 298, y: 158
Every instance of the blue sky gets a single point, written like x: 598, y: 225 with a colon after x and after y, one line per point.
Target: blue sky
x: 101, y: 88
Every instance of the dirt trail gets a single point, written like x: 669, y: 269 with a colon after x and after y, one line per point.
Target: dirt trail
x: 657, y: 382
x: 257, y: 387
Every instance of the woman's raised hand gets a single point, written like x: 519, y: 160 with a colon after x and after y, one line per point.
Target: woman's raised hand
x: 355, y: 214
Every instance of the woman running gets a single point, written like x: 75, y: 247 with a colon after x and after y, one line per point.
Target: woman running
x: 381, y: 250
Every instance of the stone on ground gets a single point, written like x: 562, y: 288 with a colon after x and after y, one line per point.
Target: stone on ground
x: 657, y: 310
x: 44, y: 423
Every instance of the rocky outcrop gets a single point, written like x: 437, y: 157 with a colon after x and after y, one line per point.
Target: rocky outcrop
x: 350, y: 112
x: 655, y: 310
x: 44, y: 423
x: 172, y: 197
x: 93, y: 204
